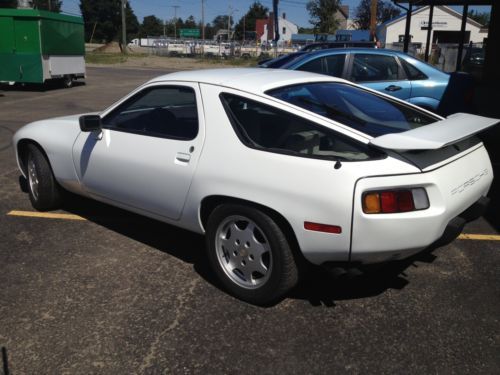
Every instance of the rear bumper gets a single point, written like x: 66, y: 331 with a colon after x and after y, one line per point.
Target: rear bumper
x: 456, y: 194
x: 451, y: 232
x: 456, y: 225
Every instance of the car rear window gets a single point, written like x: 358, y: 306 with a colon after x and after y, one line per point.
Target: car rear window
x: 267, y: 128
x: 412, y: 73
x: 355, y: 107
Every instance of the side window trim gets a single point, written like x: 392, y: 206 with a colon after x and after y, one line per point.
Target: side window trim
x: 322, y: 65
x: 402, y: 72
x: 400, y: 68
x: 404, y: 63
x: 141, y: 91
x: 344, y: 67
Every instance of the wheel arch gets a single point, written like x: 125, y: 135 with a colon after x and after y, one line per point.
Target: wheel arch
x: 209, y: 203
x: 22, y: 152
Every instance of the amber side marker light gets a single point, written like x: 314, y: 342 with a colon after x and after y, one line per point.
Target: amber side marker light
x: 395, y: 201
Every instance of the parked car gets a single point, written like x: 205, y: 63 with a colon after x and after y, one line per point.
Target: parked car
x: 275, y: 167
x: 280, y: 60
x: 392, y: 72
x: 327, y: 45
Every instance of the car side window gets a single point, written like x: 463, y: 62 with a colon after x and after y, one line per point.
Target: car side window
x: 412, y: 73
x: 270, y: 129
x: 314, y: 66
x: 335, y: 65
x: 370, y: 67
x: 161, y: 111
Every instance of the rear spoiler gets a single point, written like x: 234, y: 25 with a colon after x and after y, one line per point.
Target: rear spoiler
x: 453, y: 129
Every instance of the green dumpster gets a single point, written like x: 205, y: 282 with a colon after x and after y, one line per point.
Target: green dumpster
x: 37, y: 46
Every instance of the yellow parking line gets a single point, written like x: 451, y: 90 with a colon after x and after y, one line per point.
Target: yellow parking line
x: 45, y: 215
x: 52, y: 215
x: 479, y: 237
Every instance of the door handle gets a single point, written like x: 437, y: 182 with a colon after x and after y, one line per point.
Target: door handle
x: 182, y: 157
x: 393, y: 88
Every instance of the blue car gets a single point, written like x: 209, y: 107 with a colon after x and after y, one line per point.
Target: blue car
x: 392, y: 72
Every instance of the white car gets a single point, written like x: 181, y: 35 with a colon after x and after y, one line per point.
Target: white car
x: 274, y: 166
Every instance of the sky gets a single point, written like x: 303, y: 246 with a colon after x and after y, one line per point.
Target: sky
x: 164, y: 9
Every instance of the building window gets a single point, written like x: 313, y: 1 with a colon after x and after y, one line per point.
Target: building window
x: 402, y: 38
x: 284, y: 30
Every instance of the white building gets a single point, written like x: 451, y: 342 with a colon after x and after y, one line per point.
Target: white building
x: 446, y: 24
x: 286, y: 29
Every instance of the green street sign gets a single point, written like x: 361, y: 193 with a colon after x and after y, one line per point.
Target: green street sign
x: 190, y: 33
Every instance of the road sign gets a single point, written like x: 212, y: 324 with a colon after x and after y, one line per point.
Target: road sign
x: 190, y: 33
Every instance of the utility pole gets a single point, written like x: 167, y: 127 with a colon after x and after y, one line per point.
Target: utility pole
x: 50, y: 6
x: 229, y: 22
x: 276, y: 27
x: 373, y: 20
x: 124, y: 28
x: 202, y: 19
x: 175, y: 20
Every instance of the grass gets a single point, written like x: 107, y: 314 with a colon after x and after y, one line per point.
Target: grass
x: 111, y: 58
x: 105, y: 58
x: 230, y: 62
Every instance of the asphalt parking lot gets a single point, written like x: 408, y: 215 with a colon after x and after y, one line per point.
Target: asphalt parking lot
x: 94, y: 289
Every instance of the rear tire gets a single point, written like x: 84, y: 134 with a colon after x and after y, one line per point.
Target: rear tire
x: 44, y: 191
x: 250, y: 254
x: 67, y: 82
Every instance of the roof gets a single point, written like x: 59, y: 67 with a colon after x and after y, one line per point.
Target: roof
x: 39, y: 14
x: 379, y: 51
x: 253, y: 80
x: 356, y: 35
x: 421, y: 9
x: 447, y: 2
x: 344, y: 9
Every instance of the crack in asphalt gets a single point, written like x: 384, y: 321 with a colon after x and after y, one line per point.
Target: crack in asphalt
x: 6, y: 146
x: 182, y: 298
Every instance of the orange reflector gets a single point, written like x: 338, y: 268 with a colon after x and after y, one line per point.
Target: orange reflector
x: 371, y: 203
x: 322, y: 227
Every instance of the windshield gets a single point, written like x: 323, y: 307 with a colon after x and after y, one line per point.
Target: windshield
x: 354, y: 107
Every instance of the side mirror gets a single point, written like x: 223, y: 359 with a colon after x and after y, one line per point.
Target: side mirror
x: 89, y: 123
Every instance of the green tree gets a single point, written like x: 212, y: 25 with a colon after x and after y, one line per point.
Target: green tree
x: 55, y: 5
x: 190, y: 23
x: 306, y: 30
x: 103, y: 20
x: 385, y: 12
x: 255, y: 12
x: 322, y: 14
x: 151, y: 26
x: 220, y: 23
x: 209, y: 31
x: 482, y: 18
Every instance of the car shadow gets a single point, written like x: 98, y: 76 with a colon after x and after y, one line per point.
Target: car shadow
x: 322, y: 288
x: 38, y: 87
x: 319, y: 287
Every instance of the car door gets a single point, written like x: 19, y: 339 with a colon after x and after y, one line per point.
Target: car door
x: 380, y: 72
x: 147, y: 152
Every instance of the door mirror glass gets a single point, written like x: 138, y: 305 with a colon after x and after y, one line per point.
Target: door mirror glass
x: 89, y: 123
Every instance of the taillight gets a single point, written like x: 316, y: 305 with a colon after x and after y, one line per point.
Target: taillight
x: 394, y: 201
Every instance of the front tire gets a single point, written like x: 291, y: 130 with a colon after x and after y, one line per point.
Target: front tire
x: 250, y: 254
x: 43, y: 189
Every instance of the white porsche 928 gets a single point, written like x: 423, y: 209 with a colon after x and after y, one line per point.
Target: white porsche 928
x: 274, y: 166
